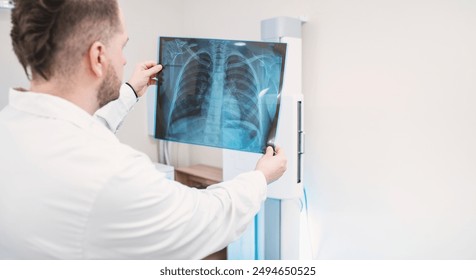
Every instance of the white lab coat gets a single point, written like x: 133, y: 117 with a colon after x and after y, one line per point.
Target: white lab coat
x: 70, y: 190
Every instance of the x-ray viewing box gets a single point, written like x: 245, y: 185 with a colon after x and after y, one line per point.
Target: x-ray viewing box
x: 219, y: 93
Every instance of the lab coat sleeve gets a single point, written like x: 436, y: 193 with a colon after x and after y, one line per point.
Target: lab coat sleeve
x: 113, y: 113
x: 143, y: 215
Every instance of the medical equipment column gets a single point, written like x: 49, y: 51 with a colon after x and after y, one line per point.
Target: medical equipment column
x: 285, y: 195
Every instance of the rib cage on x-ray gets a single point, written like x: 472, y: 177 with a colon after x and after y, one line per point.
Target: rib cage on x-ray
x: 218, y: 93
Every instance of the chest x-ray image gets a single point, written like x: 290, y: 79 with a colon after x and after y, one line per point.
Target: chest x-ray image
x: 219, y: 93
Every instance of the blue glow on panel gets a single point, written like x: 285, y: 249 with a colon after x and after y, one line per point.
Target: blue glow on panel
x: 219, y: 93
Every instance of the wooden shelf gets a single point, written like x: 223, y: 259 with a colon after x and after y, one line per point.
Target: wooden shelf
x: 198, y: 176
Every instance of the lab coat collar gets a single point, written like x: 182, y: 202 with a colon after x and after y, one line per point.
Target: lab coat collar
x: 49, y: 106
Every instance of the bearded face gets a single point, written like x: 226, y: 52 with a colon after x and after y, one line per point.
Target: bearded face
x: 109, y: 88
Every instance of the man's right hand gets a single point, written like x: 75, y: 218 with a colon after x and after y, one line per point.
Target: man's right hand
x: 143, y: 76
x: 272, y: 165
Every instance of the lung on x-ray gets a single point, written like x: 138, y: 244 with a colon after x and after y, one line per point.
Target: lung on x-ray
x: 219, y: 93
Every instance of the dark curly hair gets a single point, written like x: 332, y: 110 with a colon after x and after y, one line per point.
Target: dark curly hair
x: 50, y: 37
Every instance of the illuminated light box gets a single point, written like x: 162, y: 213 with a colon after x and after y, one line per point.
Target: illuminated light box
x: 219, y: 93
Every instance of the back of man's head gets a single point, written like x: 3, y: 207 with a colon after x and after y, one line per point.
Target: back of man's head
x: 50, y: 37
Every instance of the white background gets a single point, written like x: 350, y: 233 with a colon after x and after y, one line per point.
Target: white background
x: 390, y: 111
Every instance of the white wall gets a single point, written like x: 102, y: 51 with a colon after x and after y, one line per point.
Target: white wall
x: 389, y: 106
x: 391, y: 122
x: 11, y: 73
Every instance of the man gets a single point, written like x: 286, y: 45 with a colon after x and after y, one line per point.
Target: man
x: 68, y: 188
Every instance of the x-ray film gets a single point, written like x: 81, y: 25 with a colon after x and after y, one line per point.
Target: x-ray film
x: 219, y: 93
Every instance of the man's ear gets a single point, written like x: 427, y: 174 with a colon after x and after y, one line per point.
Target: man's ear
x: 97, y: 59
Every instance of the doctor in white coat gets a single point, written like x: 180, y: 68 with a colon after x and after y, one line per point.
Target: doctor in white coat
x: 68, y: 188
